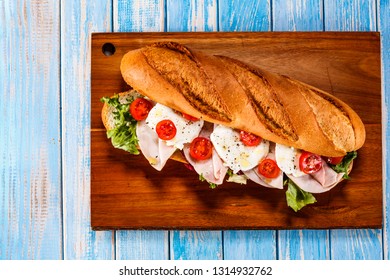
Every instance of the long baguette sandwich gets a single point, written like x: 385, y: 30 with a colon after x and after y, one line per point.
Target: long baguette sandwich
x: 231, y: 121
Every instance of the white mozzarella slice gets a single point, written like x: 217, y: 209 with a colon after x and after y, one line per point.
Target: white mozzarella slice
x: 233, y: 152
x: 156, y: 151
x: 212, y: 169
x: 186, y: 130
x: 287, y: 159
x: 255, y: 176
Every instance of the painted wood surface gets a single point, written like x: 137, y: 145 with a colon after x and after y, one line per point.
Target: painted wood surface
x: 383, y: 12
x: 78, y: 19
x: 44, y: 148
x: 30, y: 131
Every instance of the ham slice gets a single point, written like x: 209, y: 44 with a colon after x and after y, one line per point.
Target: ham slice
x: 319, y: 182
x: 212, y: 170
x: 326, y: 176
x: 256, y: 177
x: 155, y: 150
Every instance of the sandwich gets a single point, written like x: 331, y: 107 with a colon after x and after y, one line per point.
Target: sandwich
x: 232, y: 121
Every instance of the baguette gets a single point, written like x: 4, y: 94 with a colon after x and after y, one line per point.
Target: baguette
x: 226, y: 91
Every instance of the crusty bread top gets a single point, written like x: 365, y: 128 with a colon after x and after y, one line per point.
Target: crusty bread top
x: 227, y: 91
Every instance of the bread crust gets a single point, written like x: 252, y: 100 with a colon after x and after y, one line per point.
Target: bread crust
x: 244, y: 97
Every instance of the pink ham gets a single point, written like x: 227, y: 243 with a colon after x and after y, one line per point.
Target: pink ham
x: 326, y: 176
x: 308, y: 183
x: 154, y: 149
x: 256, y: 177
x: 212, y: 169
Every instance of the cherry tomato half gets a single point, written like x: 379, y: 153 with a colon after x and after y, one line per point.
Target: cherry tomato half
x: 334, y: 160
x: 189, y: 117
x: 268, y: 168
x: 140, y: 108
x: 201, y: 148
x: 166, y: 129
x: 310, y: 163
x: 249, y: 139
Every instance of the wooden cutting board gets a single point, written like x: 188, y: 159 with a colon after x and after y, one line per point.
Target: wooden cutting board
x: 127, y: 193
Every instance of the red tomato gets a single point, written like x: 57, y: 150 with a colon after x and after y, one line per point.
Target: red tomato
x: 189, y: 117
x: 334, y: 160
x: 268, y: 168
x: 249, y: 139
x: 166, y: 129
x: 140, y: 108
x: 201, y: 148
x: 310, y: 163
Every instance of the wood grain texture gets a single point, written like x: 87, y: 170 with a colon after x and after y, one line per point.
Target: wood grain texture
x: 353, y: 15
x: 142, y: 191
x: 358, y: 244
x: 78, y: 19
x: 300, y: 15
x: 236, y: 15
x: 142, y: 245
x: 297, y: 15
x: 304, y: 245
x: 130, y: 16
x: 350, y: 15
x: 138, y: 16
x: 383, y: 12
x: 191, y: 15
x: 247, y: 244
x: 196, y: 245
x: 30, y: 149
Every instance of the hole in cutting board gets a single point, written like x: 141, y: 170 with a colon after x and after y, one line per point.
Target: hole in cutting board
x: 108, y: 49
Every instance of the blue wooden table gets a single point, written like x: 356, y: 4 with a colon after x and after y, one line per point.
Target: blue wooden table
x: 45, y: 124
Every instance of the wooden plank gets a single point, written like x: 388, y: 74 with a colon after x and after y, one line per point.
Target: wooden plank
x: 138, y: 16
x: 130, y: 16
x: 142, y: 245
x: 353, y: 15
x: 300, y: 15
x: 297, y: 15
x: 239, y: 15
x: 304, y: 245
x: 193, y: 15
x: 358, y: 244
x: 384, y: 28
x: 247, y: 244
x: 342, y: 207
x: 350, y: 15
x: 30, y: 147
x: 78, y: 19
x: 196, y: 245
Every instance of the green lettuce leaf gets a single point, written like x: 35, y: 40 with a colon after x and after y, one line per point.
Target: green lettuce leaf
x: 123, y: 135
x: 298, y: 198
x: 344, y: 164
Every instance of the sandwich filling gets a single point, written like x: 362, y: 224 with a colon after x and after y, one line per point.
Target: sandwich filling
x: 218, y: 153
